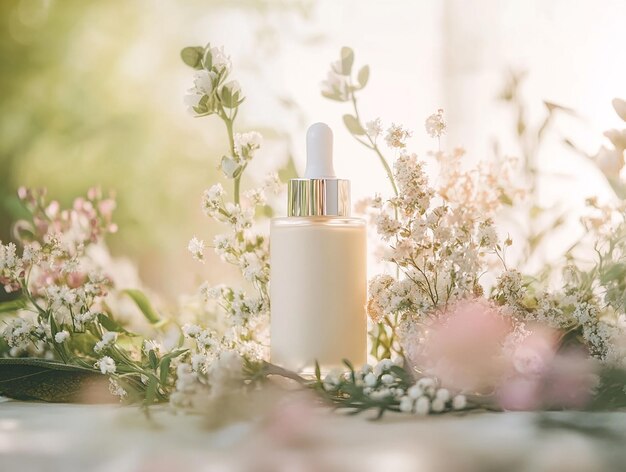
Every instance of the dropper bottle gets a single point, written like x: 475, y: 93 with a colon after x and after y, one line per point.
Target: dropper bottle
x: 318, y: 268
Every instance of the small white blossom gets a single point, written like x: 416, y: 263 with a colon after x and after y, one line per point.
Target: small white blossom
x: 370, y: 379
x: 246, y: 144
x: 116, y: 389
x: 406, y: 404
x: 196, y: 248
x: 336, y: 86
x: 106, y: 365
x: 442, y: 394
x: 107, y: 340
x: 459, y: 402
x: 435, y: 124
x: 374, y: 128
x: 382, y: 366
x: 422, y: 405
x: 415, y: 392
x: 219, y: 59
x: 387, y: 379
x: 438, y: 405
x: 396, y: 136
x: 61, y: 337
x: 151, y: 345
x: 203, y: 82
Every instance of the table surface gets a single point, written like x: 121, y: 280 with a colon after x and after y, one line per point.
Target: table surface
x: 98, y: 438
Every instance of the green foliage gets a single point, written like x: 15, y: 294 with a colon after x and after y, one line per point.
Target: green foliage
x: 52, y: 381
x: 193, y: 57
x: 143, y: 303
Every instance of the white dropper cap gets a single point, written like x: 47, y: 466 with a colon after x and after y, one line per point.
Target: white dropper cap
x: 319, y: 152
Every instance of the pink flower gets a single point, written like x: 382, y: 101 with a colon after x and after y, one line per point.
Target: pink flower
x: 464, y: 347
x: 545, y: 377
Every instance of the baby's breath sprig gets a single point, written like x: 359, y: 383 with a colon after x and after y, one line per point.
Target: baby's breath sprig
x: 387, y: 386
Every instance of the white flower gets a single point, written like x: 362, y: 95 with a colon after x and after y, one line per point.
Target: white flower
x: 435, y: 124
x: 387, y: 226
x: 415, y: 392
x: 106, y: 365
x: 108, y: 339
x: 203, y: 82
x: 374, y: 128
x: 406, y: 404
x: 396, y: 136
x: 220, y: 60
x: 370, y: 379
x: 382, y: 366
x: 252, y: 267
x: 442, y: 394
x: 196, y: 248
x: 61, y: 337
x: 151, y: 345
x: 425, y: 382
x: 116, y: 389
x: 459, y: 402
x: 191, y: 331
x: 192, y: 100
x: 256, y: 196
x: 438, y: 405
x: 336, y: 86
x: 246, y: 144
x: 387, y: 379
x: 212, y: 199
x: 422, y: 405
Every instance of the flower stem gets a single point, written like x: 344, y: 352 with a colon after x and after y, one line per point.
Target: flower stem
x: 372, y: 145
x: 231, y: 142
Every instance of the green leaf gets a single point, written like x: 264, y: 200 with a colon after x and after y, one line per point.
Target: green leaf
x: 192, y: 56
x: 207, y: 60
x: 353, y: 125
x: 164, y: 370
x: 318, y: 372
x: 12, y: 305
x: 52, y: 381
x: 347, y: 59
x: 151, y: 391
x: 142, y: 302
x: 110, y: 324
x: 154, y: 361
x: 363, y: 76
x: 333, y: 96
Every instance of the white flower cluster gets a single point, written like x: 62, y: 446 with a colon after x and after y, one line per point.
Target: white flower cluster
x: 210, y: 82
x: 396, y: 136
x: 382, y: 383
x: 25, y: 334
x: 246, y: 144
x: 435, y: 124
x: 438, y: 243
x: 55, y: 272
x: 11, y: 267
x: 200, y: 383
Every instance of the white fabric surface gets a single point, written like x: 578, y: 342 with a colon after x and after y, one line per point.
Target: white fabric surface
x: 61, y: 437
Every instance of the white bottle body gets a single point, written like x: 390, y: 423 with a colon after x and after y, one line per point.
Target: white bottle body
x: 318, y: 291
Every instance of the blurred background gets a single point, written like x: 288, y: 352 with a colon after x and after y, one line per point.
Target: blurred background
x: 91, y: 95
